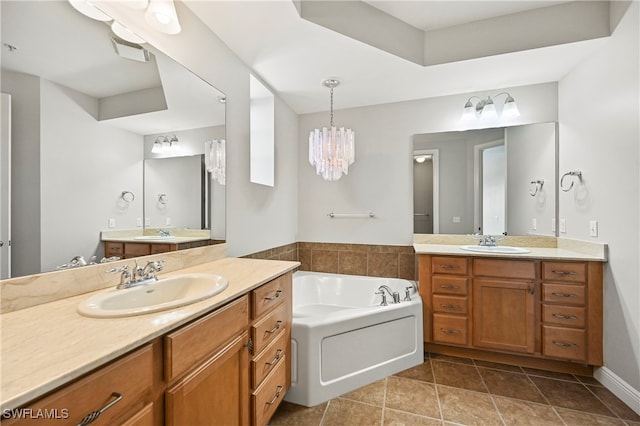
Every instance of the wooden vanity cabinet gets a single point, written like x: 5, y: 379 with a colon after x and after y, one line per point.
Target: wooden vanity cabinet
x: 126, y: 250
x: 132, y: 385
x: 546, y: 309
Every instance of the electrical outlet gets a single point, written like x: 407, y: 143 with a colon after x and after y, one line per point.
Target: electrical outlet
x: 138, y: 222
x: 168, y: 223
x: 593, y: 228
x: 534, y: 224
x: 456, y: 219
x: 112, y: 223
x: 553, y: 225
x: 563, y: 226
x: 147, y: 221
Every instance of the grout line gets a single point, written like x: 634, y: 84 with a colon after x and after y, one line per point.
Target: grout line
x: 493, y: 402
x: 603, y: 403
x: 384, y: 400
x: 435, y: 386
x: 325, y: 413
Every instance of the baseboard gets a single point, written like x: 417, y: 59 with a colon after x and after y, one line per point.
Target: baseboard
x: 618, y: 387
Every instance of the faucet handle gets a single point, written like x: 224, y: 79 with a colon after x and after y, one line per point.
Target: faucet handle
x: 407, y: 294
x: 119, y: 269
x: 384, y: 298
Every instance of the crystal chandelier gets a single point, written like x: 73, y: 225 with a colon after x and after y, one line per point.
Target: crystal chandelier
x: 331, y: 151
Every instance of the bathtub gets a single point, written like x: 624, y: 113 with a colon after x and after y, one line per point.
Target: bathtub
x: 342, y: 339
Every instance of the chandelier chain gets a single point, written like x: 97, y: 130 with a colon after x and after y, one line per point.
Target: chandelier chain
x: 331, y: 103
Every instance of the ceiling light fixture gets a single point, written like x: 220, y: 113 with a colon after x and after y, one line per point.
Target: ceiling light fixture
x: 486, y: 109
x: 422, y: 158
x: 162, y: 16
x: 331, y: 151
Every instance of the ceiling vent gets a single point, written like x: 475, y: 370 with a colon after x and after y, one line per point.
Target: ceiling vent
x: 130, y: 50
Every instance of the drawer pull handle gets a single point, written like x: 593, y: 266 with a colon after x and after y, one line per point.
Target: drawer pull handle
x: 565, y: 317
x: 276, y: 328
x: 565, y: 344
x: 565, y: 272
x: 449, y: 306
x: 450, y: 287
x: 276, y: 358
x: 565, y: 294
x: 449, y: 267
x: 275, y: 296
x: 92, y: 416
x: 276, y: 396
x: 449, y: 331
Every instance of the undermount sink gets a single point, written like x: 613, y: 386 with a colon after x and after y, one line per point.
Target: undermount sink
x: 496, y: 249
x: 166, y: 293
x: 154, y: 237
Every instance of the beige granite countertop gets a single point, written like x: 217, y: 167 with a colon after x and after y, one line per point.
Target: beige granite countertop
x: 48, y: 345
x: 540, y: 247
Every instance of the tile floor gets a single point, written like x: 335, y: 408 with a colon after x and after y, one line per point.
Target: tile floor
x: 447, y: 390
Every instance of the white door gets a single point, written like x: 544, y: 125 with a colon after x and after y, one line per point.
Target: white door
x: 5, y: 187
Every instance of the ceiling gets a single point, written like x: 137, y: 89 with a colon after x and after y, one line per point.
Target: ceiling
x: 294, y: 55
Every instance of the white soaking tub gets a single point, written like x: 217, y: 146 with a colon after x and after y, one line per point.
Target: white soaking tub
x: 342, y: 339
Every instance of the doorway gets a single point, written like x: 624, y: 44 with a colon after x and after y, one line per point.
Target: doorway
x: 5, y: 186
x: 426, y: 197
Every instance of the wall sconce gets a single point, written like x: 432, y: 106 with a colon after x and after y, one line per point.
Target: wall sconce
x: 165, y: 145
x: 486, y: 109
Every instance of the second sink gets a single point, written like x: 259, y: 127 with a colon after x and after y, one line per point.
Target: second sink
x: 496, y: 249
x: 166, y: 293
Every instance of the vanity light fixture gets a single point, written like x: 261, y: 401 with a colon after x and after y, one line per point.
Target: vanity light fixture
x: 165, y: 145
x: 486, y: 109
x: 162, y: 16
x: 331, y: 151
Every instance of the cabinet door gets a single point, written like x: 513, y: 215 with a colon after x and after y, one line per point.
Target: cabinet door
x: 504, y: 315
x: 217, y: 393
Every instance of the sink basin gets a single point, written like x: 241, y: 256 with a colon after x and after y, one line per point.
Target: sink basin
x: 166, y: 293
x: 496, y: 249
x: 154, y: 238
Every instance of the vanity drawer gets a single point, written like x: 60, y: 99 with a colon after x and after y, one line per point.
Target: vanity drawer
x: 269, y: 295
x: 450, y: 304
x: 563, y: 293
x: 450, y: 329
x: 564, y: 271
x: 450, y: 285
x: 191, y: 344
x: 568, y: 343
x: 163, y: 248
x: 113, y: 249
x: 449, y: 265
x: 269, y: 394
x: 500, y: 268
x: 268, y: 328
x: 268, y: 359
x: 137, y: 249
x: 569, y: 316
x: 129, y: 381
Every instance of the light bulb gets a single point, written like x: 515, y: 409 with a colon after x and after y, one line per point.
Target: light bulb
x: 510, y: 109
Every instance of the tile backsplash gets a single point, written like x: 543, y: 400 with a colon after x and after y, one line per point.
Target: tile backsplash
x: 350, y: 259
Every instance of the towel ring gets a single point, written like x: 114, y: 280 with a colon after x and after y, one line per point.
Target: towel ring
x: 577, y: 173
x: 538, y: 187
x: 127, y: 196
x: 162, y: 198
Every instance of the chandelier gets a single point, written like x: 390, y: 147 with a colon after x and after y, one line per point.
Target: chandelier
x: 331, y: 151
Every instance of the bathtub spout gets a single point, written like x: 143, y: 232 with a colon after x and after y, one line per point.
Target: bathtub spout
x: 394, y: 295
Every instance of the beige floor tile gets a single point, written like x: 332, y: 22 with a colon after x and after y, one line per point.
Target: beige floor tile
x: 457, y: 375
x: 341, y: 412
x: 412, y: 396
x: 419, y: 372
x: 400, y: 418
x: 371, y: 394
x: 577, y: 418
x: 512, y: 385
x: 450, y: 358
x: 614, y: 403
x: 525, y: 413
x: 574, y: 396
x: 467, y: 408
x: 289, y: 414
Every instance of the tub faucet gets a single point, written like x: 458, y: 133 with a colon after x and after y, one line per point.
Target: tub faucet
x: 394, y: 295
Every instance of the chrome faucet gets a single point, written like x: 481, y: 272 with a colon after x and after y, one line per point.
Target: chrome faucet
x: 164, y: 232
x: 139, y: 276
x: 487, y: 240
x: 394, y: 295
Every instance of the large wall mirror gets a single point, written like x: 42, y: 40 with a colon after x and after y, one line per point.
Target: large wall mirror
x: 492, y: 181
x: 87, y: 109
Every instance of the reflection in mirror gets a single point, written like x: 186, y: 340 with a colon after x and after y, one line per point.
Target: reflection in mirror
x: 482, y: 180
x: 85, y: 109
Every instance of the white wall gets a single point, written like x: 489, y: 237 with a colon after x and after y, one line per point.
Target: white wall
x: 85, y: 165
x: 381, y: 178
x: 529, y: 149
x: 258, y: 217
x: 599, y: 134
